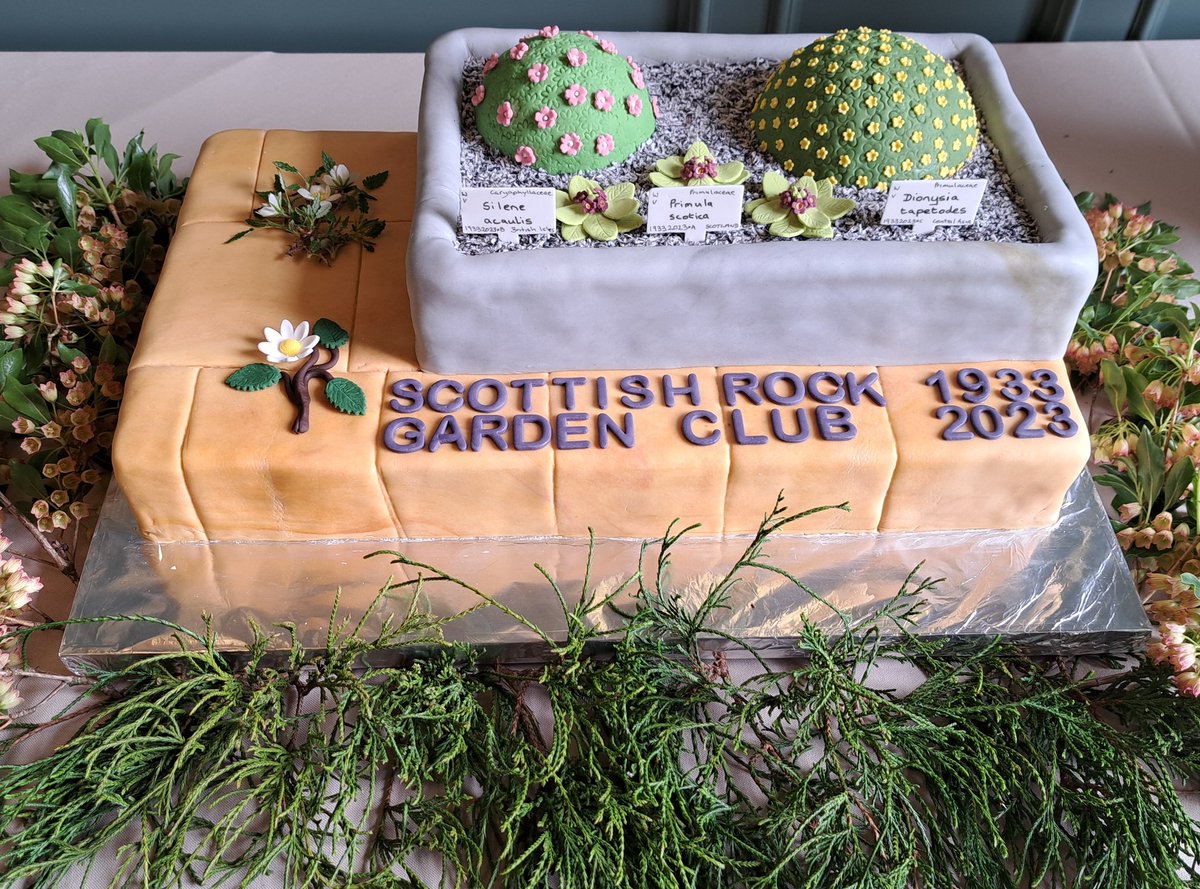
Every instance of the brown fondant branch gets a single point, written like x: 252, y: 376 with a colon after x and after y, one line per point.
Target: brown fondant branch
x: 301, y: 397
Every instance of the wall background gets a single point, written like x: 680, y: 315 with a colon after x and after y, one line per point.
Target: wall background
x: 409, y: 25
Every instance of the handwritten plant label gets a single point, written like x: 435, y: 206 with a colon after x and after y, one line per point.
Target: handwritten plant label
x: 507, y: 212
x: 925, y: 203
x: 694, y: 210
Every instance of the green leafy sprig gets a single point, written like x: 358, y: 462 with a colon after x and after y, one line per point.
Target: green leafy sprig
x: 322, y: 212
x: 662, y: 765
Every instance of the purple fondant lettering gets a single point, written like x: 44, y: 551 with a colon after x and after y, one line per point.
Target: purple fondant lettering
x: 447, y: 407
x: 686, y: 424
x: 855, y: 389
x: 408, y: 398
x: 740, y: 383
x: 691, y: 390
x: 448, y: 432
x: 568, y: 385
x: 491, y: 428
x: 801, y: 433
x: 770, y: 387
x: 601, y: 392
x: 520, y: 442
x: 499, y: 399
x: 526, y: 387
x: 637, y: 391
x: 739, y: 430
x: 606, y: 426
x: 563, y: 430
x: 833, y: 423
x: 410, y: 429
x: 821, y: 376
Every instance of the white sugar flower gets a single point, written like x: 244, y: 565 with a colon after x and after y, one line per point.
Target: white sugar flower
x: 288, y: 343
x: 273, y: 206
x: 338, y: 178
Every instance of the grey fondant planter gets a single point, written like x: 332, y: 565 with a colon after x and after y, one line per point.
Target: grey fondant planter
x: 771, y: 303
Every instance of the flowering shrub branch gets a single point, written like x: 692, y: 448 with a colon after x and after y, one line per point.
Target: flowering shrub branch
x: 1137, y: 339
x: 323, y: 212
x: 85, y: 239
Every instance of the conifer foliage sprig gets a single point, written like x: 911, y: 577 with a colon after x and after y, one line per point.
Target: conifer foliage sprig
x: 656, y: 769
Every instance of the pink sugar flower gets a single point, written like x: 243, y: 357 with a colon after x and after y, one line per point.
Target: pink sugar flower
x: 608, y: 46
x: 545, y: 118
x: 492, y: 62
x: 576, y: 58
x: 575, y: 94
x: 504, y: 114
x: 603, y: 100
x: 570, y: 144
x: 538, y: 73
x: 604, y: 144
x: 633, y: 105
x: 589, y: 34
x: 478, y: 95
x: 654, y: 106
x: 518, y: 52
x: 525, y: 156
x: 549, y: 31
x: 635, y: 74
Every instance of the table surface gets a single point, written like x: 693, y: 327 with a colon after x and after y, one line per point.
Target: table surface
x: 1116, y: 117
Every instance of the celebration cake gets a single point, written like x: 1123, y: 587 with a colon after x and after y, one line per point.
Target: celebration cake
x: 552, y: 391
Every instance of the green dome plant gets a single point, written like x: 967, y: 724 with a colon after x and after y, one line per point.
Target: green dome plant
x: 864, y: 107
x: 564, y: 103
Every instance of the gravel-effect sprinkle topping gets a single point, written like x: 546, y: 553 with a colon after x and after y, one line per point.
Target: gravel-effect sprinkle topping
x: 711, y: 102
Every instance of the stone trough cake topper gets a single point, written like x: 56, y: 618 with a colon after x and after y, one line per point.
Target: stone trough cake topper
x: 864, y: 107
x: 563, y: 103
x: 290, y: 344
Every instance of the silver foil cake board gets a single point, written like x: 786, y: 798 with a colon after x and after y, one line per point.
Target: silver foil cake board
x: 1064, y: 589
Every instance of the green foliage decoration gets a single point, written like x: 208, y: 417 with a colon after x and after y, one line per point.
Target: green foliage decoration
x: 254, y: 377
x: 798, y: 209
x: 346, y: 396
x: 862, y: 107
x: 696, y: 166
x: 588, y: 210
x: 321, y: 213
x: 563, y: 103
x: 332, y: 334
x: 658, y: 769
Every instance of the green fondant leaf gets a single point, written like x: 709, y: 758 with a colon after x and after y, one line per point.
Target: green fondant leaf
x: 600, y: 228
x: 573, y: 233
x: 570, y: 214
x: 732, y: 173
x: 619, y: 191
x: 629, y: 223
x: 579, y: 183
x: 253, y: 378
x: 662, y: 180
x: 332, y: 334
x: 786, y: 228
x: 814, y: 218
x: 621, y: 208
x: 767, y: 212
x: 671, y: 167
x: 774, y: 185
x: 826, y: 232
x: 375, y: 180
x: 836, y: 208
x: 824, y: 189
x: 346, y: 397
x: 561, y: 198
x: 697, y: 150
